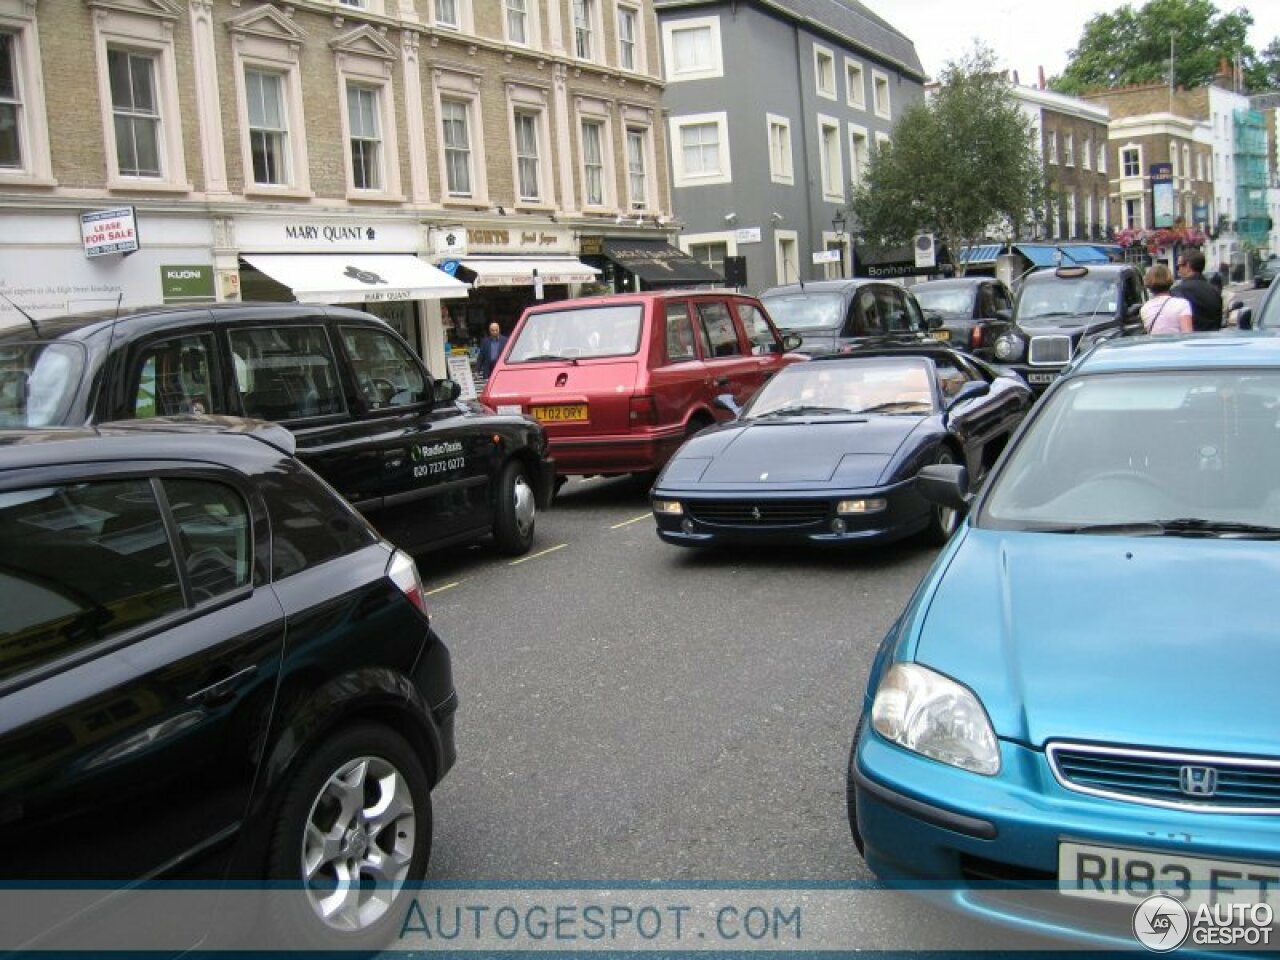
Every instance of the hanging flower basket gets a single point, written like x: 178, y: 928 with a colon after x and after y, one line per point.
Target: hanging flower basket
x: 1163, y: 238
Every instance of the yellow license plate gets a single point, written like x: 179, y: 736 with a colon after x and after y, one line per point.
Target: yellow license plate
x: 564, y: 413
x: 941, y: 334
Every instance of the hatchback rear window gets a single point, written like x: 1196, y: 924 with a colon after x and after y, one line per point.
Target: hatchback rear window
x: 38, y: 381
x: 608, y: 331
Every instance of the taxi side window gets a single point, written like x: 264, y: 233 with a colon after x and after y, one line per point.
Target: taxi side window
x: 758, y: 331
x: 286, y: 373
x: 386, y: 373
x: 680, y: 346
x: 892, y: 307
x: 173, y: 376
x: 866, y: 314
x: 721, y: 334
x: 80, y: 563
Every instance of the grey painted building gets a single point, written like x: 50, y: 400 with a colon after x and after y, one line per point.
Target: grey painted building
x: 772, y: 108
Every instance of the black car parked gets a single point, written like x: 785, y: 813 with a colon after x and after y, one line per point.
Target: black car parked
x: 962, y: 310
x: 425, y: 469
x: 211, y: 668
x: 1060, y: 311
x: 833, y: 314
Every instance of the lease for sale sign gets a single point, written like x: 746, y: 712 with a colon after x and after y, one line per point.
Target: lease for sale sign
x: 109, y: 231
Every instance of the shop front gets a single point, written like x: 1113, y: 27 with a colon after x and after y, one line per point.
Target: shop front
x: 121, y: 258
x: 631, y: 264
x: 363, y: 263
x: 508, y: 269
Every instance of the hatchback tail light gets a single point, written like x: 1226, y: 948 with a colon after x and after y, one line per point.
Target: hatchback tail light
x: 975, y: 336
x: 404, y: 574
x: 644, y: 412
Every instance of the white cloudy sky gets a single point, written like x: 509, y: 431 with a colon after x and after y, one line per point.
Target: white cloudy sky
x: 1025, y: 34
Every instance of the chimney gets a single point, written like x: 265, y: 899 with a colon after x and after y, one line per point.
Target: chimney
x: 1042, y: 83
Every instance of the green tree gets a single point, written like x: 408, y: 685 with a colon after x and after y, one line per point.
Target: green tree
x: 1130, y: 45
x: 1263, y: 75
x: 962, y: 162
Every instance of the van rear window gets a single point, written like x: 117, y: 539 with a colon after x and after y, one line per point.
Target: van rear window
x: 610, y: 331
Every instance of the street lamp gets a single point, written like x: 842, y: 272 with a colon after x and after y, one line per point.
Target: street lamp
x: 838, y: 223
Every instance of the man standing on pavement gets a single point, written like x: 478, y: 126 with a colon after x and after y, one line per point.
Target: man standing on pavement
x: 490, y: 349
x: 1206, y: 302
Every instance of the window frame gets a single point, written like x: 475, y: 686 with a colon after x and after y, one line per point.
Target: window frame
x: 150, y: 35
x: 782, y: 239
x: 638, y: 46
x: 825, y: 57
x: 679, y: 175
x: 709, y: 71
x: 457, y: 86
x: 528, y: 16
x: 858, y: 159
x: 603, y: 124
x: 282, y: 133
x: 1136, y: 151
x: 831, y: 168
x: 35, y: 162
x: 1068, y: 149
x: 645, y: 134
x: 366, y: 60
x: 589, y: 28
x: 858, y: 102
x: 781, y: 169
x: 880, y: 81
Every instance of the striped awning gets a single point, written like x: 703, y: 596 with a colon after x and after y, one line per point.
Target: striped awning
x: 985, y: 253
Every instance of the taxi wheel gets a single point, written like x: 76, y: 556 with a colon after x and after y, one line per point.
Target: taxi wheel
x: 942, y: 520
x: 515, y: 511
x: 352, y: 841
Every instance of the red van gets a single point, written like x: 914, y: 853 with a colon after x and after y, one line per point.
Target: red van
x: 620, y: 381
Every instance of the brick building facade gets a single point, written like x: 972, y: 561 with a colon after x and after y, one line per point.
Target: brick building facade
x: 481, y: 136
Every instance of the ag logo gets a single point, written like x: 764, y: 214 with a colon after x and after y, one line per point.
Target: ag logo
x: 416, y: 454
x: 1161, y: 923
x: 364, y: 276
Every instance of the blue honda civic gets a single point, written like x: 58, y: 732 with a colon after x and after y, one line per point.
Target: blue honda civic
x: 1078, y: 708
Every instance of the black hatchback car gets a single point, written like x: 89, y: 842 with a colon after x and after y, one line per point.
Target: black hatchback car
x: 1060, y: 311
x: 963, y: 311
x: 211, y: 668
x: 427, y: 470
x: 832, y: 314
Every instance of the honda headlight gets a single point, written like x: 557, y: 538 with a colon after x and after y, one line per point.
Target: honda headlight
x: 1008, y: 347
x: 936, y: 717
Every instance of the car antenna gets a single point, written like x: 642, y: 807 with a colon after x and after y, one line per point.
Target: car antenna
x: 30, y: 319
x: 111, y: 338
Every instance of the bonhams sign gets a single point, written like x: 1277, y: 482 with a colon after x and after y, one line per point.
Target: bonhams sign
x: 109, y: 231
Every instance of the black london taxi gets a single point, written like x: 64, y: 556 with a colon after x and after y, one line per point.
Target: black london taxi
x: 426, y: 469
x: 1059, y: 312
x: 205, y: 654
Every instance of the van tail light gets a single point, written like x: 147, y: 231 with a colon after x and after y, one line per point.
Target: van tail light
x: 403, y: 572
x: 644, y: 412
x: 975, y: 336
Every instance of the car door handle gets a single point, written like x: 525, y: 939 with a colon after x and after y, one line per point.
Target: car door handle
x: 222, y: 689
x: 722, y: 381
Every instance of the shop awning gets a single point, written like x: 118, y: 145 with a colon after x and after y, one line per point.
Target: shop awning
x: 658, y: 263
x: 357, y: 277
x: 518, y: 271
x: 1061, y: 254
x: 984, y: 253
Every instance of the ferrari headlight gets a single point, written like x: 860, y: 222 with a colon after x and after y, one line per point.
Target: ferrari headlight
x: 1008, y: 347
x: 671, y: 508
x: 936, y: 717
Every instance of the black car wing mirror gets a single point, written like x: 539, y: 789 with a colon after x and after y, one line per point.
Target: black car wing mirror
x: 1004, y: 314
x: 1133, y: 310
x: 1244, y: 319
x: 932, y: 320
x: 446, y: 391
x: 791, y: 341
x: 725, y: 401
x: 946, y: 484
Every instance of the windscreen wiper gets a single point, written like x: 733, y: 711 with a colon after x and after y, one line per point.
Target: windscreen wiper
x: 543, y: 357
x: 892, y: 405
x: 801, y: 410
x: 1180, y: 527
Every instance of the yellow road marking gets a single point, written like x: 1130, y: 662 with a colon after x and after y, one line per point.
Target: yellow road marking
x: 627, y: 523
x: 540, y: 553
x: 447, y: 586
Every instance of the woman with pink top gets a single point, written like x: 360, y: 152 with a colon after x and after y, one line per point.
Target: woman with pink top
x: 1164, y: 313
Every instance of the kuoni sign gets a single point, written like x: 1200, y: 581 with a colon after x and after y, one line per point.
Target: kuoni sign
x: 109, y: 231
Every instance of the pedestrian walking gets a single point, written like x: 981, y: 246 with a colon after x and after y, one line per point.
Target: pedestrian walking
x: 1206, y: 302
x: 1164, y: 313
x: 490, y: 350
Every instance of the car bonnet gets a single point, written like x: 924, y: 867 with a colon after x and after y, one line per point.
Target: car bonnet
x: 1158, y: 641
